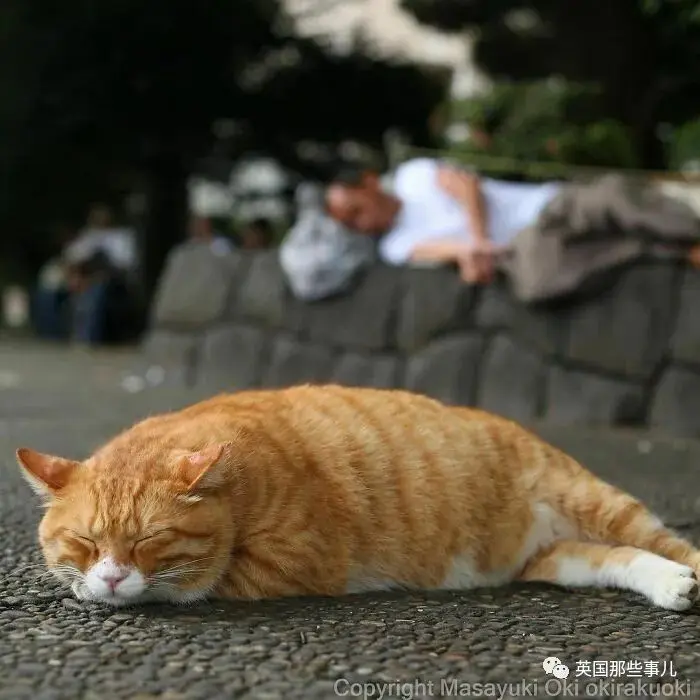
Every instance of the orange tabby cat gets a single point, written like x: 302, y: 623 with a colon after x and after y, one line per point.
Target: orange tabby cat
x: 328, y: 490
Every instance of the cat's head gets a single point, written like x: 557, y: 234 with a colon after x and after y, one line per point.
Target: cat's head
x: 124, y: 533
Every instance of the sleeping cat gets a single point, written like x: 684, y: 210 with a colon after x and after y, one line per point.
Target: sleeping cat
x: 323, y: 490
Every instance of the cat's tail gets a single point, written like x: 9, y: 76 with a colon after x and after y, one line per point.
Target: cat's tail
x: 603, y: 513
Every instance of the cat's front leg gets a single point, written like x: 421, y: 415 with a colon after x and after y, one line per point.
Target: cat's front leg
x: 570, y: 563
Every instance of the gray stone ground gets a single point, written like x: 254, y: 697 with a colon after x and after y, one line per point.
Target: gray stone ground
x: 53, y: 648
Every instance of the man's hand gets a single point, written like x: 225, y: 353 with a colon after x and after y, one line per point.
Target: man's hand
x: 477, y: 262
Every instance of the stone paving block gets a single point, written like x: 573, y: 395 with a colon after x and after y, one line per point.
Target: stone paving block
x: 685, y: 343
x: 262, y: 296
x: 194, y: 287
x: 296, y: 362
x: 627, y: 331
x: 575, y: 397
x: 447, y: 369
x: 542, y: 328
x: 379, y: 371
x: 511, y: 380
x: 434, y: 301
x: 675, y: 405
x: 363, y: 318
x: 232, y: 357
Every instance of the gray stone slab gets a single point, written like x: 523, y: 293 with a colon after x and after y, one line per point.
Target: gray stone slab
x: 363, y: 318
x: 627, y: 330
x: 232, y: 358
x: 262, y: 296
x: 447, y: 369
x: 511, y: 380
x: 167, y: 357
x: 194, y: 287
x: 685, y: 343
x: 355, y: 369
x: 296, y: 362
x: 675, y: 405
x: 575, y: 397
x: 434, y: 302
x: 543, y: 329
x: 170, y: 349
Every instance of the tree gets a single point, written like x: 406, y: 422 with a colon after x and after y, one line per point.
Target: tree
x: 122, y: 88
x: 548, y: 124
x: 643, y: 54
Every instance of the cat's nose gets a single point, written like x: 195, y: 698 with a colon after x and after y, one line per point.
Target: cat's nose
x: 113, y: 580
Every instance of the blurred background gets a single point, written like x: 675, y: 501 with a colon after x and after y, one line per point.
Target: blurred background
x: 222, y: 107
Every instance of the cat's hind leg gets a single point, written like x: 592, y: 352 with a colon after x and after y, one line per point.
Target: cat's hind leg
x: 582, y: 564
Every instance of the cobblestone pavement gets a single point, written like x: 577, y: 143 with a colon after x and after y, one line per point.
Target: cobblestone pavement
x: 433, y: 644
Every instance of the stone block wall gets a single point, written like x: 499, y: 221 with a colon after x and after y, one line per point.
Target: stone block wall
x: 628, y: 356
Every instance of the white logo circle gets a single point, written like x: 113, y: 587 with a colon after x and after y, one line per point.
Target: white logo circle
x: 560, y: 671
x: 554, y: 667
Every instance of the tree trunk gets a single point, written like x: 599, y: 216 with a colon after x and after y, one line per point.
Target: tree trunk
x: 164, y: 220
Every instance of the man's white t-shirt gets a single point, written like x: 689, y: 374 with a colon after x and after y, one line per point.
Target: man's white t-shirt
x: 429, y: 213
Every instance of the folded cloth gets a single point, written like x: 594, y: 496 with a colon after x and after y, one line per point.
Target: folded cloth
x: 591, y: 228
x: 615, y: 206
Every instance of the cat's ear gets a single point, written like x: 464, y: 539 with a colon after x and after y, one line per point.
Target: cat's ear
x: 204, y: 469
x: 46, y: 474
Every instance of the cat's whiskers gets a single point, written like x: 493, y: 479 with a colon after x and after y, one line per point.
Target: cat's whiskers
x: 43, y: 575
x: 167, y: 577
x: 66, y: 573
x: 20, y: 569
x: 181, y: 569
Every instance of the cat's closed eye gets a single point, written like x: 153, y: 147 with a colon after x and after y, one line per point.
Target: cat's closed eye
x: 152, y: 536
x: 81, y: 538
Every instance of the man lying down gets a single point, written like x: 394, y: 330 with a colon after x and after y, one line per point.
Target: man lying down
x: 548, y: 238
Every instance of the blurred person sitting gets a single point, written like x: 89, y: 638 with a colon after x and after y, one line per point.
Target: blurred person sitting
x: 101, y: 262
x: 51, y: 297
x: 118, y: 243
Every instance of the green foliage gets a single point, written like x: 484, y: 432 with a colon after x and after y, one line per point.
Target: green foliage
x: 644, y: 55
x: 546, y: 121
x: 684, y: 149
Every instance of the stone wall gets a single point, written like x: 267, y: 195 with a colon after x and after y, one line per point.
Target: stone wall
x: 627, y: 356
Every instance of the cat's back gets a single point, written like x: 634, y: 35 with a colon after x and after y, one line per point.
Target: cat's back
x: 331, y: 420
x: 363, y: 430
x: 369, y: 429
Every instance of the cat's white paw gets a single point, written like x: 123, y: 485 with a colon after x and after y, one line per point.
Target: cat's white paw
x: 673, y: 586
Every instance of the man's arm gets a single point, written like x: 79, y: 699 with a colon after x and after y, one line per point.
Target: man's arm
x: 466, y: 189
x: 477, y: 264
x: 442, y: 250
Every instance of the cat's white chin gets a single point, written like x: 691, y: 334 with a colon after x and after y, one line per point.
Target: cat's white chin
x: 170, y: 595
x: 83, y: 592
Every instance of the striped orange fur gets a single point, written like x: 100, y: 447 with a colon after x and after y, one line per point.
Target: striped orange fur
x: 327, y: 489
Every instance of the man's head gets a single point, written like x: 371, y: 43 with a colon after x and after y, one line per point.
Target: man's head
x: 360, y: 203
